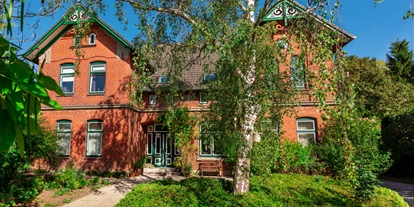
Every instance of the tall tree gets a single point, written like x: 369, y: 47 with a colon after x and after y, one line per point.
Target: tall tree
x: 400, y: 61
x: 236, y: 45
x: 375, y: 89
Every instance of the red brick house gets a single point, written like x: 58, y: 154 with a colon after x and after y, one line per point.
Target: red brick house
x: 98, y: 129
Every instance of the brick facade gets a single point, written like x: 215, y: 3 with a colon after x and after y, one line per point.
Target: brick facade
x: 124, y: 133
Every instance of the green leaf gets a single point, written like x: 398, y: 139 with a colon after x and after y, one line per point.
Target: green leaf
x: 5, y: 85
x: 50, y: 83
x: 7, y: 130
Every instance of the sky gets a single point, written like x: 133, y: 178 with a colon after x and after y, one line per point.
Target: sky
x: 375, y: 25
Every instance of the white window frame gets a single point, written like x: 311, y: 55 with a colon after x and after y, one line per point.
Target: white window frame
x: 64, y: 132
x: 297, y: 72
x: 200, y: 143
x: 67, y: 71
x: 98, y: 69
x: 94, y: 131
x: 152, y: 97
x: 90, y: 38
x: 201, y: 94
x: 306, y: 131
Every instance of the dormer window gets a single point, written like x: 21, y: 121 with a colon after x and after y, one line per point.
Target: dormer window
x: 92, y: 39
x: 209, y: 77
x: 162, y: 79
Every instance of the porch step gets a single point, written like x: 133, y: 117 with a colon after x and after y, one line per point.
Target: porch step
x: 169, y: 171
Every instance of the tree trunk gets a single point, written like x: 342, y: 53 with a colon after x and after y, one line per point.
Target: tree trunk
x: 242, y: 176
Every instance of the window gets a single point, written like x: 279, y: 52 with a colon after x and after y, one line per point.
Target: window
x: 297, y: 72
x: 208, y: 143
x: 92, y: 39
x: 283, y: 43
x: 209, y: 77
x: 306, y: 130
x: 152, y: 99
x: 94, y: 138
x: 76, y: 40
x: 63, y: 133
x: 67, y: 78
x: 203, y: 98
x: 162, y: 79
x: 97, y: 81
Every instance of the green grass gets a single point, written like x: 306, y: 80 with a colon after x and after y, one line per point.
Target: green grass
x: 272, y: 190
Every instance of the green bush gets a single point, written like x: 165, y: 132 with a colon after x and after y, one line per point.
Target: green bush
x: 350, y: 149
x: 269, y: 190
x: 294, y: 158
x: 22, y: 191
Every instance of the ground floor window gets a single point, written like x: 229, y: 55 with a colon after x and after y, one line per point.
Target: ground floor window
x: 63, y: 133
x: 209, y: 143
x: 94, y: 138
x: 306, y: 131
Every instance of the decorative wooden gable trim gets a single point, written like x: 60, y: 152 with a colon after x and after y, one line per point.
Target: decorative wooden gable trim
x: 74, y: 15
x: 283, y: 10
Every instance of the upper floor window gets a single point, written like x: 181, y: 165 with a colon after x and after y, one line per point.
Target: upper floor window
x: 306, y: 131
x: 97, y: 81
x: 63, y: 133
x: 76, y: 40
x: 209, y: 77
x: 92, y: 39
x: 94, y: 138
x: 203, y: 97
x: 162, y: 79
x: 297, y: 72
x: 208, y: 142
x: 152, y: 99
x: 67, y: 78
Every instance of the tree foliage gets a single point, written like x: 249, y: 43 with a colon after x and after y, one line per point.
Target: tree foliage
x: 376, y: 91
x: 400, y: 61
x: 21, y: 92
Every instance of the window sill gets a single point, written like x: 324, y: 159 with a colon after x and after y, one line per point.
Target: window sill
x: 210, y: 157
x: 67, y: 95
x: 83, y: 46
x: 93, y: 156
x: 96, y: 94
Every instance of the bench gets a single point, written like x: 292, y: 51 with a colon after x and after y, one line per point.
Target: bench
x: 210, y: 166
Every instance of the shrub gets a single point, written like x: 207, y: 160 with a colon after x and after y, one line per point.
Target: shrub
x: 350, y: 148
x: 294, y: 158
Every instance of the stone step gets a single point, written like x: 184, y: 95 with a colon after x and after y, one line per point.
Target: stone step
x: 160, y: 170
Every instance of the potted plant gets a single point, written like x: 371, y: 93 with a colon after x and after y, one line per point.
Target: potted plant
x: 138, y: 167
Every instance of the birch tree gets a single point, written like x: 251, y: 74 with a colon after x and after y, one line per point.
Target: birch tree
x: 231, y: 40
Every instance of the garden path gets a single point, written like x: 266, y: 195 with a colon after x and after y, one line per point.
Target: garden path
x: 109, y: 196
x: 404, y: 189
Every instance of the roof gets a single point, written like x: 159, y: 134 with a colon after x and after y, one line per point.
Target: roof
x: 289, y: 9
x: 63, y: 25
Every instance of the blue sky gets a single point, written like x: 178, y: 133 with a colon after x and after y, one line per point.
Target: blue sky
x: 375, y: 25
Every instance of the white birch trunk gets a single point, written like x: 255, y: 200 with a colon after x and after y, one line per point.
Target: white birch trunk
x: 242, y: 168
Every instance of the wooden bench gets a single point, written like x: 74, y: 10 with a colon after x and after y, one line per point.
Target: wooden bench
x: 210, y: 166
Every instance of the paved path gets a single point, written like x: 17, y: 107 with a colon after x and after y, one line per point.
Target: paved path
x: 110, y: 195
x: 404, y: 189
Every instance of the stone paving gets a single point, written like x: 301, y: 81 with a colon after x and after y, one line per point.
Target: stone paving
x: 404, y: 189
x: 109, y: 196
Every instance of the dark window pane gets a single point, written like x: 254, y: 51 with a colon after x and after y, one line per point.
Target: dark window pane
x: 98, y: 83
x: 67, y: 87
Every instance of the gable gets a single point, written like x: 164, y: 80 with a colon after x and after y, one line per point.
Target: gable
x: 66, y: 23
x: 284, y: 10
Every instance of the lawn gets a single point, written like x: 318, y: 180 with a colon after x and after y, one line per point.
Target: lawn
x: 271, y: 190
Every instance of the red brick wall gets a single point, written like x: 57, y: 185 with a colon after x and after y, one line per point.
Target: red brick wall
x: 118, y: 69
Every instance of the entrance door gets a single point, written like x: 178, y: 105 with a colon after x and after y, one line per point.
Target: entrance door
x: 160, y: 146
